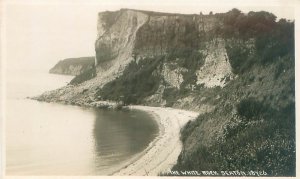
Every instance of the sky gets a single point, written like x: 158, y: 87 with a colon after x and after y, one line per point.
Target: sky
x: 39, y: 33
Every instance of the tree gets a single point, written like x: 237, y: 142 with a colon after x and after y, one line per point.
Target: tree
x: 231, y: 16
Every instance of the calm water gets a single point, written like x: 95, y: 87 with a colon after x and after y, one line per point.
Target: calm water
x: 54, y: 139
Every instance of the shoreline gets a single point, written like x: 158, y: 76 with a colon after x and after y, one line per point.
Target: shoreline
x: 161, y: 154
x: 163, y: 151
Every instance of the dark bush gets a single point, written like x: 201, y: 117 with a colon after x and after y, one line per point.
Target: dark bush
x: 250, y: 109
x: 248, y: 25
x: 278, y: 43
x: 239, y: 57
x: 170, y: 95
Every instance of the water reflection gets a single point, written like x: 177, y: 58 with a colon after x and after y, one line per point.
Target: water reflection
x: 121, y: 134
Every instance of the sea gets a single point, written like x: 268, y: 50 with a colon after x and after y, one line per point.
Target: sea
x: 56, y: 139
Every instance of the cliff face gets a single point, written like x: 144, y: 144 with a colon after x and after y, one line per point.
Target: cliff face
x: 164, y: 33
x: 116, y: 38
x: 189, y: 57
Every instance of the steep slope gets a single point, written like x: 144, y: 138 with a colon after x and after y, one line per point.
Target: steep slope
x: 252, y: 128
x: 170, y: 52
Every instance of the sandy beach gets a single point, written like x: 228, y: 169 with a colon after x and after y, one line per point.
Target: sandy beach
x: 162, y: 153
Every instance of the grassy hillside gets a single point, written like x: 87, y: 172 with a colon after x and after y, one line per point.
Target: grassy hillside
x: 251, y: 128
x: 253, y: 125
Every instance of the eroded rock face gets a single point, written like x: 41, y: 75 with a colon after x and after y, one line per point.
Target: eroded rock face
x: 132, y: 35
x: 116, y: 37
x: 216, y: 70
x: 166, y: 32
x: 189, y: 53
x: 127, y: 34
x: 173, y: 76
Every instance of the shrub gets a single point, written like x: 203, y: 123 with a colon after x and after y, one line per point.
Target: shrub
x: 170, y: 95
x: 278, y: 43
x: 250, y: 109
x: 247, y: 146
x: 239, y: 57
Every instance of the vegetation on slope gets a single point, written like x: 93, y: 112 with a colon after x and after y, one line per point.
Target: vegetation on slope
x: 142, y: 79
x: 272, y: 39
x: 137, y: 82
x: 258, y: 131
x: 253, y: 125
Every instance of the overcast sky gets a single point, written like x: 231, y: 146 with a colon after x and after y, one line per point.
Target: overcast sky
x: 39, y: 33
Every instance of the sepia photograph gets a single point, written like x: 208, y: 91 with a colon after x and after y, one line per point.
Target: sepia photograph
x: 173, y: 88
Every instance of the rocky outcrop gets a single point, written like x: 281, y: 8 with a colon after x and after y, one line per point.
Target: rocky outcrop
x: 73, y: 66
x: 173, y: 76
x: 217, y: 70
